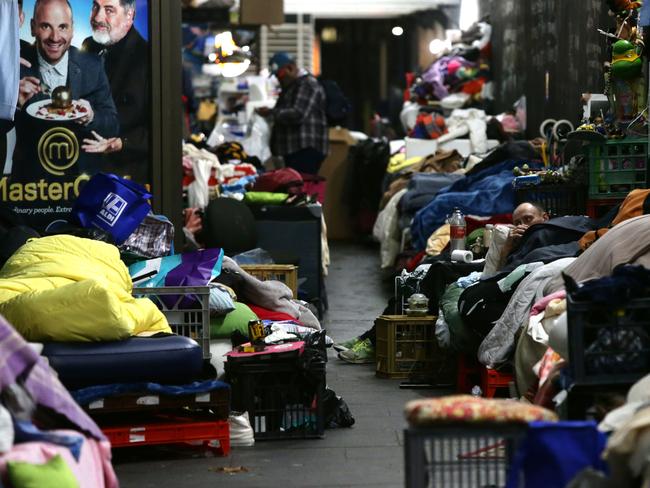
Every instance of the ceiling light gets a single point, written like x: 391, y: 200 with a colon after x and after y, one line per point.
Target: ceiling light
x: 329, y: 34
x: 397, y: 30
x: 437, y: 47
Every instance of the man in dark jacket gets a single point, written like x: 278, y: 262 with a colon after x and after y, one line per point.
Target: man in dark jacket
x: 300, y: 133
x: 126, y: 61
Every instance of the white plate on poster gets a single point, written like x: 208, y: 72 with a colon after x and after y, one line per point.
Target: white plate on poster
x: 40, y: 110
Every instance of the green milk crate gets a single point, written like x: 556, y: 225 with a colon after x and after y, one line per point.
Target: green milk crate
x: 616, y: 167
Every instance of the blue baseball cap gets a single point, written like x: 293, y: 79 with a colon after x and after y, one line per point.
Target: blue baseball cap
x: 280, y: 60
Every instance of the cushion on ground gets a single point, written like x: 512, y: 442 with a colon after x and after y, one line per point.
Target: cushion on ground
x: 223, y: 326
x: 168, y: 359
x: 467, y: 408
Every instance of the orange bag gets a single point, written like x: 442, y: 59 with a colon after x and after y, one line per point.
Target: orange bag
x: 636, y: 203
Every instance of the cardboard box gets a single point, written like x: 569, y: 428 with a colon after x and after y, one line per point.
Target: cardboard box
x: 335, y: 168
x: 258, y: 12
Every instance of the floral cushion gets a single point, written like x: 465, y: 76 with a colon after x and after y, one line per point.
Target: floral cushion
x: 467, y: 408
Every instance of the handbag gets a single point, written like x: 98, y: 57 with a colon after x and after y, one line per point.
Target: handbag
x: 113, y: 204
x: 153, y: 238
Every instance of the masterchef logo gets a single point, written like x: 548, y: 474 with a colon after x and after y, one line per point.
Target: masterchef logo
x: 58, y: 150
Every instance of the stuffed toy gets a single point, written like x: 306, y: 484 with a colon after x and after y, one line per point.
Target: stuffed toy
x: 626, y: 60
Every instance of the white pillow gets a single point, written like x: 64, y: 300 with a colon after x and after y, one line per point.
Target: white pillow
x: 492, y: 258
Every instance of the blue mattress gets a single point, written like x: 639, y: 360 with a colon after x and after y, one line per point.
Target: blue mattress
x: 168, y: 359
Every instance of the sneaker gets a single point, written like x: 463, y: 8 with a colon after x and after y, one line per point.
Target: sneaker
x: 361, y: 353
x: 344, y: 346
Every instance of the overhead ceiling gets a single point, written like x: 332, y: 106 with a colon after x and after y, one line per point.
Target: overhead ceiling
x: 361, y: 8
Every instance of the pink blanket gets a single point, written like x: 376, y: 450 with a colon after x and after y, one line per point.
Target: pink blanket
x: 93, y: 470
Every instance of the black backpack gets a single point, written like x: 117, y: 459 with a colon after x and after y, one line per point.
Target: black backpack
x: 337, y: 106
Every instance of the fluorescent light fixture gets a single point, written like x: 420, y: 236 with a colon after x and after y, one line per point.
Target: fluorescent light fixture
x: 397, y: 30
x: 468, y: 13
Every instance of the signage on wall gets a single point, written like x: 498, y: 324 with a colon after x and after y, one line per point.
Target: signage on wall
x: 84, y: 104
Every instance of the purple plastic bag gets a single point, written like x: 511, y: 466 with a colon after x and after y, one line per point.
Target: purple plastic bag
x: 197, y: 268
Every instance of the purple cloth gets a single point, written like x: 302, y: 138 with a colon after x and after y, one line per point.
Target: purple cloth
x: 18, y: 358
x: 437, y: 76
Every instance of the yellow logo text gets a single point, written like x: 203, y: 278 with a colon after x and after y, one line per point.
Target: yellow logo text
x: 41, y: 190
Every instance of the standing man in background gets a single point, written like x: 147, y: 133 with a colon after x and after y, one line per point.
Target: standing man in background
x: 300, y: 132
x: 126, y: 62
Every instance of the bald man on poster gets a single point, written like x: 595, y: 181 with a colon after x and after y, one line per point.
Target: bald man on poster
x: 126, y: 61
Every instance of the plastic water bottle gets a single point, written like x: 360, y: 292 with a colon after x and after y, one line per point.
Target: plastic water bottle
x: 457, y: 230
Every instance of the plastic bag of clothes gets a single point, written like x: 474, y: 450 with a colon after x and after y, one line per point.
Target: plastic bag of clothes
x: 153, y: 238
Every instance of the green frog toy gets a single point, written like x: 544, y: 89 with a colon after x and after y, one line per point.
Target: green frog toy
x: 626, y: 60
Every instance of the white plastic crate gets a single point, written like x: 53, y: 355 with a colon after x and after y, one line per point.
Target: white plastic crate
x: 187, y: 309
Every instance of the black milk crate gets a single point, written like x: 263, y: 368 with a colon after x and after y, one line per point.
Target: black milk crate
x: 557, y: 199
x: 460, y: 455
x: 608, y: 344
x: 187, y: 309
x: 283, y: 399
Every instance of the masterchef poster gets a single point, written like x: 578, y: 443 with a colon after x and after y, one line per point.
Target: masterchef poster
x: 84, y: 104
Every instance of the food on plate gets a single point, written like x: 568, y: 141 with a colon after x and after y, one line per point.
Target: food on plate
x: 61, y: 107
x: 61, y: 99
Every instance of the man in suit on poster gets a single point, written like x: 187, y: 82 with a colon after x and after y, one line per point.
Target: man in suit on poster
x: 55, y: 62
x: 126, y: 62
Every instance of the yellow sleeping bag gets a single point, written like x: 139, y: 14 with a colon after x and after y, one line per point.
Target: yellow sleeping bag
x: 65, y: 288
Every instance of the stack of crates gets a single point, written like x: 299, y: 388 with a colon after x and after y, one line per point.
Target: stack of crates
x: 405, y: 345
x: 283, y: 394
x: 286, y: 273
x: 146, y: 418
x: 616, y: 167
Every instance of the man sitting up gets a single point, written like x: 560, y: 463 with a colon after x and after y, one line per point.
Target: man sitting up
x: 534, y: 239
